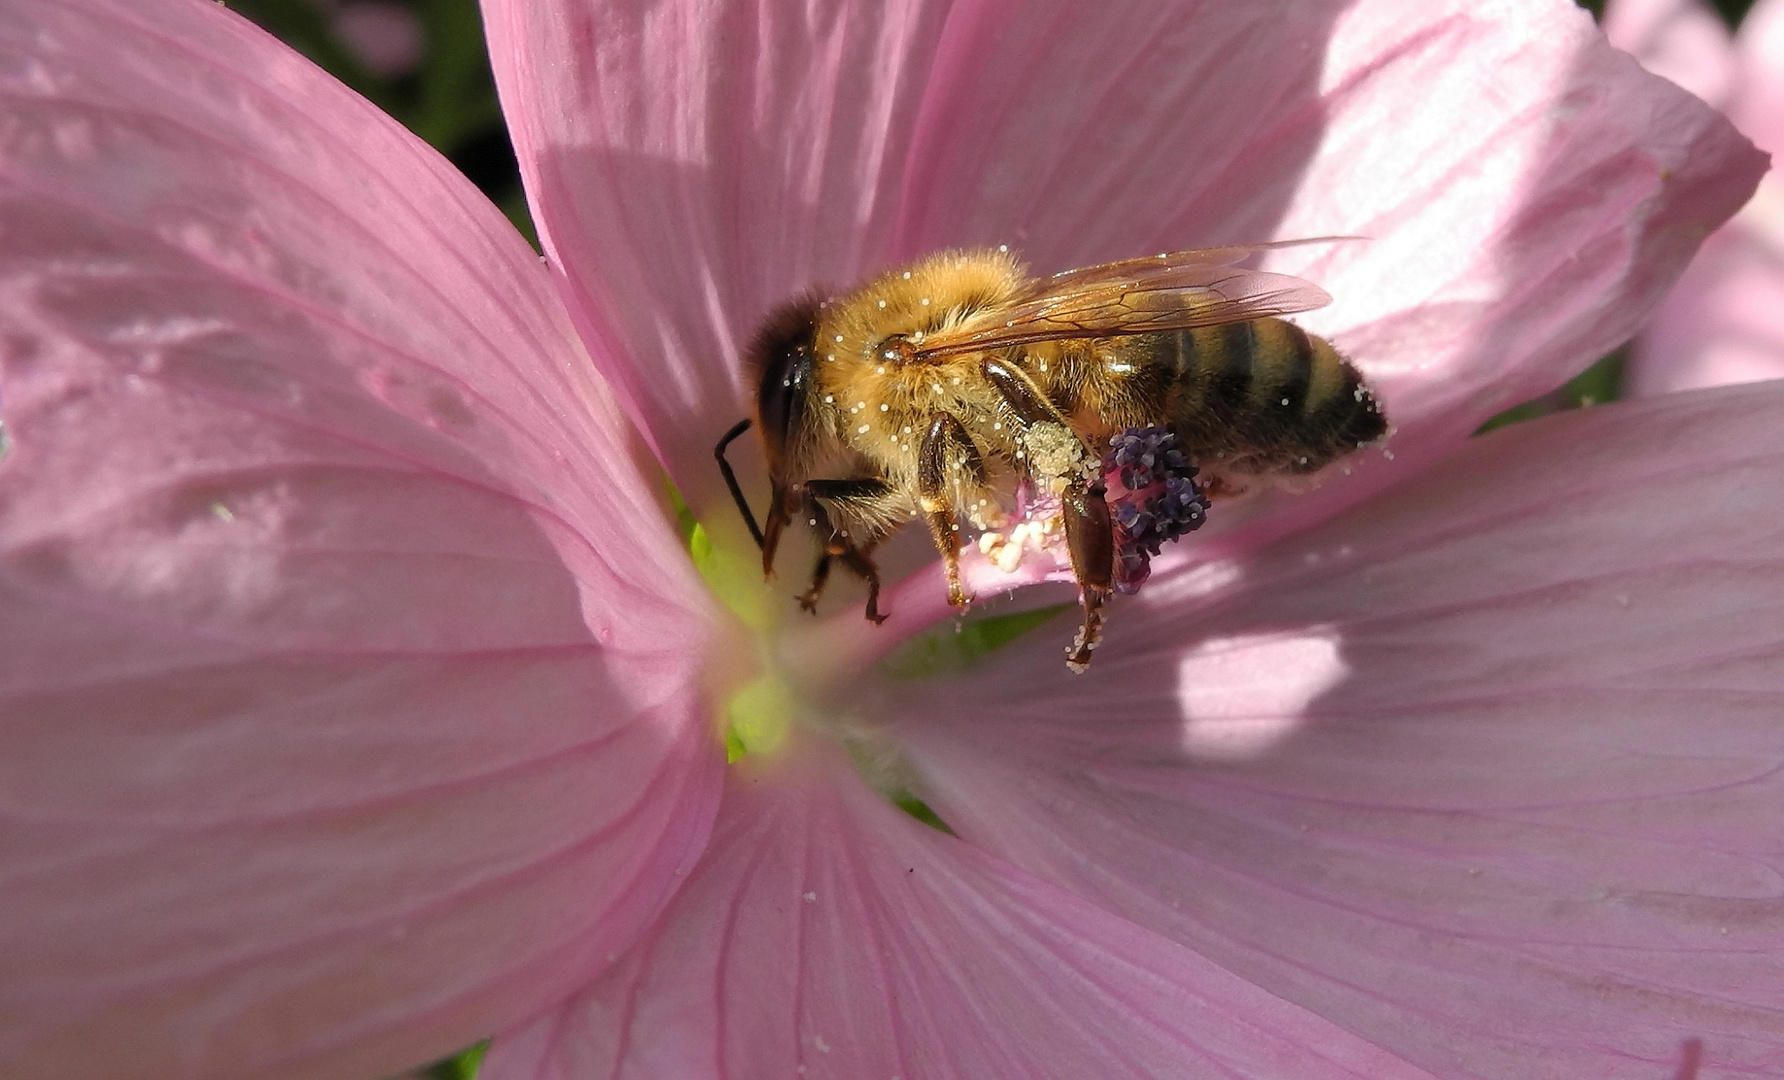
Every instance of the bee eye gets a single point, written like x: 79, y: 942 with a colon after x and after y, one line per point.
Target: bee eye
x: 782, y: 357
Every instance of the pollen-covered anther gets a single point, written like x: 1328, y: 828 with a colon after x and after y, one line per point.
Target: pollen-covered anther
x: 1152, y: 497
x: 1038, y: 532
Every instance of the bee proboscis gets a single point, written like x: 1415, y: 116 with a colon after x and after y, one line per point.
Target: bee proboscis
x: 950, y: 389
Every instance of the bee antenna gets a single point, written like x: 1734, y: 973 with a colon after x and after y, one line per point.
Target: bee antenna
x: 743, y: 506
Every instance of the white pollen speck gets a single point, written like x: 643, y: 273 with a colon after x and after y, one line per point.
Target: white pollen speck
x: 907, y: 429
x: 882, y: 303
x: 813, y: 522
x: 924, y: 301
x: 1285, y: 401
x: 830, y: 357
x: 907, y: 275
x: 885, y: 407
x: 997, y: 426
x: 1005, y: 248
x: 811, y: 897
x: 879, y: 369
x: 1043, y: 365
x: 829, y: 398
x: 956, y: 380
x: 862, y: 430
x: 860, y: 404
x: 839, y: 338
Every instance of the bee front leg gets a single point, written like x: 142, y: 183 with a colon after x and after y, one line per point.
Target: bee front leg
x: 820, y: 576
x: 865, y: 493
x: 1090, y: 536
x: 857, y: 560
x: 947, y: 449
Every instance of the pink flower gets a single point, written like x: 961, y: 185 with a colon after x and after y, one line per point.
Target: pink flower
x: 1724, y: 323
x: 358, y: 699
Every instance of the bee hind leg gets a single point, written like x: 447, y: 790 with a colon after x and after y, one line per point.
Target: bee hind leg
x: 1090, y: 536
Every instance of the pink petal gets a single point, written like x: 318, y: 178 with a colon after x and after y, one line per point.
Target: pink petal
x: 1758, y: 108
x: 1724, y: 322
x: 1528, y: 191
x: 1681, y: 40
x: 829, y: 935
x: 1488, y: 771
x: 346, y: 661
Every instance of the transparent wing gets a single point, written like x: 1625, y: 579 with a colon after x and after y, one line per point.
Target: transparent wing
x: 1174, y: 291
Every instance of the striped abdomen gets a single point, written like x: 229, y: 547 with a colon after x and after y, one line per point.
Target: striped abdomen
x: 1262, y: 397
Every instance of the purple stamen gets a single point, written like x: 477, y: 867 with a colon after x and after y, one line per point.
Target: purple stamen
x: 1156, y: 499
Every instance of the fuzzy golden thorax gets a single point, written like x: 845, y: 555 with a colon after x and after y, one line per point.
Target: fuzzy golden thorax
x: 880, y: 403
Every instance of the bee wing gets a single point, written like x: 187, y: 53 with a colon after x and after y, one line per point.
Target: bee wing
x: 1174, y: 291
x: 1218, y: 256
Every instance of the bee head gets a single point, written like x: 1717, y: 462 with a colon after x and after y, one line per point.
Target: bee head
x: 781, y: 361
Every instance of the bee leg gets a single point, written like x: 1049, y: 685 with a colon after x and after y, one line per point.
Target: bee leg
x: 857, y: 560
x: 1090, y: 536
x: 1089, y: 528
x: 820, y: 574
x: 947, y: 449
x: 865, y: 492
x: 1020, y: 393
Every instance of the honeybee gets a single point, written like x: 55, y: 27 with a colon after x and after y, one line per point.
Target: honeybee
x: 1125, y: 394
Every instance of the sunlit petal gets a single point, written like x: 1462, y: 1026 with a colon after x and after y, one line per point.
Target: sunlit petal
x: 1528, y: 826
